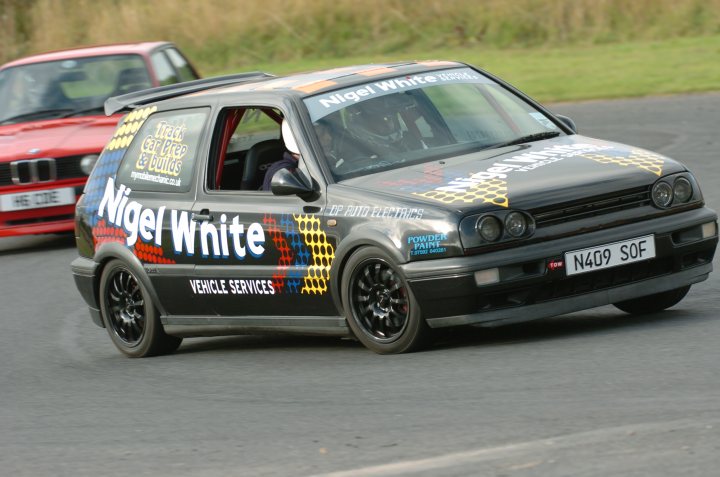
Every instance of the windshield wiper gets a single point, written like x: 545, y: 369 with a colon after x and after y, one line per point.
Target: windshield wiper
x: 528, y: 138
x: 34, y: 115
x: 81, y: 112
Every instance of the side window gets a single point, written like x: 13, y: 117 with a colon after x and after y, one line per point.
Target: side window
x: 163, y: 69
x: 163, y: 153
x: 181, y: 65
x: 248, y: 144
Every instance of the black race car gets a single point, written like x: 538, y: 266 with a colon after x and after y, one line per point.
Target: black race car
x: 378, y: 201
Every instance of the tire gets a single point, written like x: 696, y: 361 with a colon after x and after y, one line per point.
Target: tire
x: 380, y: 307
x: 653, y: 303
x: 129, y: 315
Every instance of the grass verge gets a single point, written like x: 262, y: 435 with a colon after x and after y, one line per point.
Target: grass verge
x: 641, y: 68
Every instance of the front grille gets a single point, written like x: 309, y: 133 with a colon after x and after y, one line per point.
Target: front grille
x: 65, y: 168
x: 591, y: 207
x: 69, y: 167
x: 5, y: 177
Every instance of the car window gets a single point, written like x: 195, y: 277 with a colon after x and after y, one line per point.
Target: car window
x: 248, y: 143
x: 68, y: 87
x: 163, y: 69
x: 395, y: 122
x: 470, y: 116
x: 163, y: 153
x: 181, y: 65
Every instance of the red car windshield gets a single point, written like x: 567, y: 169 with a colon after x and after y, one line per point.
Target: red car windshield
x: 64, y: 88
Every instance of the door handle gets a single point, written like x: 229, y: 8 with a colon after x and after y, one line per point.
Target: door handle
x: 203, y: 216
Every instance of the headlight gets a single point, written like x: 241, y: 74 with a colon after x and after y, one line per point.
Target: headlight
x: 682, y: 190
x: 516, y: 224
x: 662, y: 194
x: 87, y: 163
x: 489, y: 228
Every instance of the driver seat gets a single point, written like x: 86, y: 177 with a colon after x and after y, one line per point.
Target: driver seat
x: 257, y: 160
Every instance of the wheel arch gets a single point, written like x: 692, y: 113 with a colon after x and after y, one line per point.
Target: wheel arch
x: 351, y: 244
x: 115, y: 251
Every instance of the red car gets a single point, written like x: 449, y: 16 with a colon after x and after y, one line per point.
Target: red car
x: 52, y: 124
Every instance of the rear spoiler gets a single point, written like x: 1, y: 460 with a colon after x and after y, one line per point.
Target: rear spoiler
x: 132, y: 100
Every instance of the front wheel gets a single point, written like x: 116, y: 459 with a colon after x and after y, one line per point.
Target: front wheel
x: 129, y: 315
x: 381, y: 309
x: 653, y: 303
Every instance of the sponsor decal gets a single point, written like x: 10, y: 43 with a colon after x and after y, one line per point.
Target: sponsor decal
x: 224, y: 286
x: 146, y: 223
x: 302, y: 244
x: 427, y: 244
x: 637, y: 158
x: 161, y: 155
x: 324, y: 104
x: 306, y: 253
x: 409, y: 213
x: 490, y: 185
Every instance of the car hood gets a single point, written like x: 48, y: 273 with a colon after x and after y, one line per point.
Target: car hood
x: 526, y: 177
x: 55, y: 138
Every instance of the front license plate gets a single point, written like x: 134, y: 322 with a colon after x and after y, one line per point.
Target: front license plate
x: 37, y: 199
x: 610, y: 255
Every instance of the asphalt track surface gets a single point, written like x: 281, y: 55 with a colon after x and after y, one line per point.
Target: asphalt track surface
x: 594, y: 393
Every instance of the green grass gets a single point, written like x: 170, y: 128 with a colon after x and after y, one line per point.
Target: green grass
x: 681, y: 65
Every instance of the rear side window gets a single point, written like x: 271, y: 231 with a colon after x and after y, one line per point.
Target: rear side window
x: 163, y: 69
x: 163, y: 154
x: 181, y: 65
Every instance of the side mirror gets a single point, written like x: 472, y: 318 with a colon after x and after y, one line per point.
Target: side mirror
x: 567, y: 122
x: 285, y: 182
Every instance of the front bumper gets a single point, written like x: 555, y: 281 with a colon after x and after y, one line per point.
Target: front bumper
x: 41, y: 220
x: 528, y: 289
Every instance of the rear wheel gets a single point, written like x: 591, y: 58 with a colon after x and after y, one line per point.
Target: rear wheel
x: 653, y: 303
x: 380, y: 307
x: 129, y: 315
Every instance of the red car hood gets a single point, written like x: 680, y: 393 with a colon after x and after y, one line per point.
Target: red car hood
x: 56, y: 137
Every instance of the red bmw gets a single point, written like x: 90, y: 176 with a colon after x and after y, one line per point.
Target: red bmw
x: 52, y: 125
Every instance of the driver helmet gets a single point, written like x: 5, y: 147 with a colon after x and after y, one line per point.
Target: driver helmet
x: 376, y: 120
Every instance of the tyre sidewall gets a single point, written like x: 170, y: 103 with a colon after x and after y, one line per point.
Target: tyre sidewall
x: 145, y: 346
x: 415, y: 330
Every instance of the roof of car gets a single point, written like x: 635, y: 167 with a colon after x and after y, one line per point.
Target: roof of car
x: 300, y: 84
x: 116, y: 49
x: 305, y: 84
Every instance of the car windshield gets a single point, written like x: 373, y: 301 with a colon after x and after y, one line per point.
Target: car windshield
x: 392, y: 123
x: 73, y: 87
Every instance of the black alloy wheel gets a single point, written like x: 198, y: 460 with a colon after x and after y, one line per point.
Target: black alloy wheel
x: 381, y: 309
x: 379, y: 300
x: 129, y: 315
x: 126, y: 305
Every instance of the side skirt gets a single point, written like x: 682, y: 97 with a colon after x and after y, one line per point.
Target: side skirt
x: 189, y: 326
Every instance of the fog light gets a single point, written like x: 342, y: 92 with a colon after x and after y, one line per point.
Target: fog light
x: 487, y: 277
x: 682, y: 190
x: 516, y: 224
x: 87, y: 163
x: 662, y: 194
x: 709, y: 230
x: 490, y: 228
